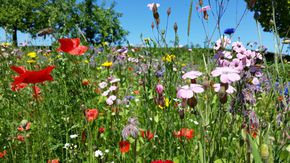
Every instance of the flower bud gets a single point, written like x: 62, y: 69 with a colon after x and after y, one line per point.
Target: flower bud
x: 181, y: 114
x: 264, y: 152
x: 152, y: 25
x: 159, y: 88
x: 175, y: 27
x: 168, y: 11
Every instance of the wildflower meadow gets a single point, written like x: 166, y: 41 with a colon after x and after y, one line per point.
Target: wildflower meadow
x: 156, y: 103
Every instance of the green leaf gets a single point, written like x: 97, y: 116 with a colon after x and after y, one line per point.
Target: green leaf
x: 200, y: 153
x: 255, y: 150
x: 221, y: 160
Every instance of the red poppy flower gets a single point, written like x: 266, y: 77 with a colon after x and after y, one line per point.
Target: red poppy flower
x: 32, y: 76
x: 2, y: 154
x: 53, y: 161
x: 188, y: 133
x: 26, y: 127
x: 162, y: 161
x: 85, y: 82
x: 91, y: 114
x: 71, y: 46
x: 20, y: 138
x: 101, y: 130
x: 149, y: 135
x: 124, y: 146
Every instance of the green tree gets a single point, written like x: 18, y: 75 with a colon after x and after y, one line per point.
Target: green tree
x: 22, y: 15
x: 264, y: 14
x: 100, y: 24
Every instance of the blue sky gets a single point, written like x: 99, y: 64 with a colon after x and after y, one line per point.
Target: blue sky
x: 137, y: 19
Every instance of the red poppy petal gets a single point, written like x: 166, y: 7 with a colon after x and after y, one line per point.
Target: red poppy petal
x: 19, y: 70
x: 80, y: 50
x: 67, y: 44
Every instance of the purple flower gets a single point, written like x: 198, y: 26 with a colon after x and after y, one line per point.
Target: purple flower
x: 229, y: 31
x: 237, y: 64
x: 227, y: 74
x: 110, y: 100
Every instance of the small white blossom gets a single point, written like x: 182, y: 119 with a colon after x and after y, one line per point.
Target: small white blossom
x: 73, y: 136
x: 98, y: 153
x: 66, y: 146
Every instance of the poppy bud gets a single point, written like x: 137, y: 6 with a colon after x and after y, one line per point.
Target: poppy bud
x: 175, y: 27
x: 168, y: 11
x: 181, y: 114
x: 264, y: 152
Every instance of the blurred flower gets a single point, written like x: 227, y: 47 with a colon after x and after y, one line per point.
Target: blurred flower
x: 159, y: 88
x: 24, y: 125
x: 73, y: 136
x: 168, y: 58
x: 66, y: 146
x: 229, y: 31
x: 3, y: 154
x: 205, y: 8
x: 191, y: 75
x: 53, y: 161
x: 101, y: 130
x: 103, y: 85
x: 91, y: 114
x: 71, y: 46
x: 227, y: 74
x: 124, y: 146
x: 147, y: 134
x: 150, y: 5
x: 130, y: 129
x: 20, y: 138
x: 184, y: 132
x: 229, y: 90
x: 32, y: 54
x: 85, y: 82
x: 110, y: 100
x: 107, y: 64
x: 98, y: 153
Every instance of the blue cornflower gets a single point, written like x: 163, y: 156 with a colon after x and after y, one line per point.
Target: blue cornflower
x: 130, y: 97
x: 229, y: 31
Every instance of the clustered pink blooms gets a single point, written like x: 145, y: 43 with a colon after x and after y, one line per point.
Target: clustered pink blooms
x: 234, y: 64
x: 110, y: 93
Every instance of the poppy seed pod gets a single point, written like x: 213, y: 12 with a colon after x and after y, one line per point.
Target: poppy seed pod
x: 175, y: 27
x: 168, y: 11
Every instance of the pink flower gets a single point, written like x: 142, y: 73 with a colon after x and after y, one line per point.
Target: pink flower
x: 113, y: 88
x: 230, y: 90
x: 150, y: 5
x: 110, y: 100
x: 227, y: 74
x: 237, y: 64
x: 205, y: 8
x: 191, y: 75
x: 159, y: 88
x: 186, y: 92
x: 102, y: 85
x: 222, y: 43
x: 255, y: 81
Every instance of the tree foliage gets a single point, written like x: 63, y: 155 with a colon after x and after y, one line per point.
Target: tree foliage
x: 68, y: 18
x: 264, y: 11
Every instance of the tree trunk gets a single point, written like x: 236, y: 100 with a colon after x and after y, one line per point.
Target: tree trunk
x: 14, y: 36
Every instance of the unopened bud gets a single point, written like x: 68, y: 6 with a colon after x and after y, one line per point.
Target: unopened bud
x: 168, y: 11
x: 152, y: 25
x: 159, y: 88
x: 175, y: 27
x: 181, y: 114
x: 192, y: 102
